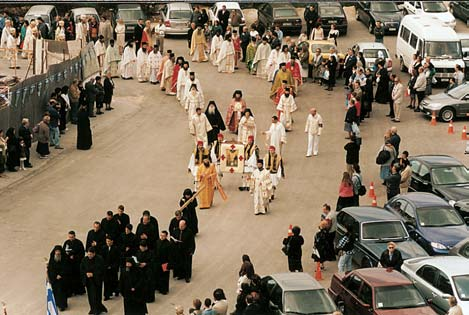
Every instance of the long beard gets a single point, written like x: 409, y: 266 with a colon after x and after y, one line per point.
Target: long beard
x: 211, y: 110
x: 57, y: 258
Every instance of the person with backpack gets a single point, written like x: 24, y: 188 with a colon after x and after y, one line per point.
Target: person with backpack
x: 358, y: 188
x: 385, y: 157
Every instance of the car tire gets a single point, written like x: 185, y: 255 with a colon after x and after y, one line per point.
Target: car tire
x: 341, y: 306
x: 447, y: 114
x: 370, y: 27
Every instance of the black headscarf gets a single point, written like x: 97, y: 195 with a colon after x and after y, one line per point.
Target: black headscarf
x: 215, y: 119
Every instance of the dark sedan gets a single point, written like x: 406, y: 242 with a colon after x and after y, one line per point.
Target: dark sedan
x: 369, y: 12
x: 460, y: 10
x: 332, y: 13
x: 443, y: 176
x: 430, y: 221
x: 282, y: 14
x: 372, y: 228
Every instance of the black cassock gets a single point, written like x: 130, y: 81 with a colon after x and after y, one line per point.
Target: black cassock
x: 161, y: 258
x: 84, y: 137
x: 111, y: 256
x: 94, y: 285
x: 59, y: 288
x: 382, y: 91
x: 190, y: 214
x: 216, y: 121
x: 97, y: 236
x: 75, y: 252
x: 129, y: 246
x: 148, y: 274
x: 186, y: 247
x: 134, y: 301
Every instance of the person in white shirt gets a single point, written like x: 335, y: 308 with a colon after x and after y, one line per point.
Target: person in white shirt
x: 143, y: 69
x: 286, y: 106
x: 160, y: 30
x: 313, y: 128
x: 215, y: 46
x: 276, y: 135
x: 454, y: 308
x: 154, y: 60
x: 100, y: 50
x: 183, y: 76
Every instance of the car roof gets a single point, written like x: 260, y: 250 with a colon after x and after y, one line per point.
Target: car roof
x: 381, y: 277
x: 296, y: 281
x: 282, y: 5
x: 429, y: 27
x: 463, y: 35
x: 179, y: 5
x: 84, y: 10
x: 129, y: 6
x: 41, y: 8
x: 450, y: 265
x: 371, y: 45
x: 423, y: 199
x: 437, y: 160
x: 364, y: 214
x: 229, y: 4
x: 329, y: 4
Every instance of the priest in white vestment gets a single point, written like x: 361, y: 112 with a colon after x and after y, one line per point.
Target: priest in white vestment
x: 112, y: 59
x: 128, y: 62
x: 286, y: 106
x: 143, y: 68
x: 199, y: 126
x: 215, y: 46
x: 225, y: 60
x: 154, y: 59
x: 276, y: 135
x: 260, y: 59
x: 272, y: 63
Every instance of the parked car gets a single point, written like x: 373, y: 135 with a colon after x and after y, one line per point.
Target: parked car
x: 463, y: 208
x: 130, y: 13
x: 460, y: 9
x: 282, y: 14
x: 441, y: 175
x: 461, y: 249
x: 372, y: 51
x: 230, y: 6
x: 47, y: 12
x: 438, y: 278
x: 296, y: 293
x: 372, y: 228
x: 325, y: 46
x: 431, y: 8
x: 430, y: 221
x: 176, y: 17
x: 464, y: 38
x: 332, y: 13
x: 76, y: 13
x: 448, y: 105
x: 369, y: 12
x: 377, y: 291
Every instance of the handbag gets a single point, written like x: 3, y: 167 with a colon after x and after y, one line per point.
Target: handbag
x: 383, y: 156
x: 286, y: 248
x: 315, y: 255
x: 361, y: 189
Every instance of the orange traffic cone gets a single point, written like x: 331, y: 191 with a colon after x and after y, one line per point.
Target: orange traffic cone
x: 374, y: 203
x: 464, y: 133
x: 450, y: 128
x: 433, y: 121
x: 318, y: 274
x: 290, y: 232
x: 371, y: 193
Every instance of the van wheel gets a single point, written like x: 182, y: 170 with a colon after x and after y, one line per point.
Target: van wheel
x: 447, y: 114
x: 370, y: 27
x: 341, y: 306
x: 402, y: 67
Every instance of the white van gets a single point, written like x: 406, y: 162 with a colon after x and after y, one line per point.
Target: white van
x: 430, y: 38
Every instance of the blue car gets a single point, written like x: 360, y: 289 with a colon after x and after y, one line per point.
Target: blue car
x: 430, y: 221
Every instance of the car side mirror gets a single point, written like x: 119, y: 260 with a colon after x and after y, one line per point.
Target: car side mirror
x: 465, y: 54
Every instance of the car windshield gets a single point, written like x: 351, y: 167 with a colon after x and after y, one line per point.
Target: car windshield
x: 400, y: 296
x: 375, y: 53
x: 383, y: 230
x: 434, y: 6
x: 465, y: 43
x: 462, y: 286
x: 330, y: 11
x: 459, y: 91
x: 443, y: 50
x: 384, y: 7
x: 451, y: 175
x: 325, y: 48
x: 308, y: 302
x: 438, y: 217
x: 130, y: 15
x: 180, y: 15
x: 285, y: 12
x: 45, y: 17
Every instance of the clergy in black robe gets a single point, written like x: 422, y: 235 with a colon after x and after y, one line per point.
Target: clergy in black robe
x: 216, y: 121
x: 96, y: 237
x: 75, y: 252
x: 186, y: 248
x: 132, y: 288
x: 129, y: 244
x: 162, y: 261
x: 122, y: 218
x: 174, y: 223
x: 84, y: 137
x: 189, y: 212
x: 147, y: 231
x: 111, y: 256
x: 146, y: 261
x: 58, y: 272
x: 111, y: 227
x: 382, y: 91
x: 92, y: 273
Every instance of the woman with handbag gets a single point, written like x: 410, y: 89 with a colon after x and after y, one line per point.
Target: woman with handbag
x: 346, y: 197
x: 293, y: 249
x: 358, y: 188
x: 323, y: 249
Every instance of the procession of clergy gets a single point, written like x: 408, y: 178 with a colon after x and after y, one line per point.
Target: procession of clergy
x: 209, y: 159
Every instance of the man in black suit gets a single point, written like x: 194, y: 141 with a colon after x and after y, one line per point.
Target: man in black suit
x: 350, y: 62
x: 223, y: 16
x: 138, y: 31
x: 111, y: 256
x: 391, y: 257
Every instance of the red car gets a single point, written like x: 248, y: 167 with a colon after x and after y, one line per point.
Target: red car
x: 377, y: 291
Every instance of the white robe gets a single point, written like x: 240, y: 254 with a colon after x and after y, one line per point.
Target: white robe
x: 128, y: 62
x: 154, y: 60
x: 192, y: 102
x: 183, y: 76
x: 276, y: 135
x: 225, y: 60
x: 246, y: 128
x: 112, y: 59
x: 215, y: 48
x: 11, y: 51
x: 282, y: 57
x: 286, y: 106
x: 6, y: 33
x: 261, y: 189
x: 272, y: 64
x: 28, y: 42
x: 260, y: 60
x: 142, y: 66
x: 198, y: 127
x: 187, y: 87
x: 99, y: 49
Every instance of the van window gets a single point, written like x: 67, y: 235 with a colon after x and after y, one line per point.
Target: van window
x: 443, y: 50
x: 405, y: 34
x: 420, y: 47
x: 413, y: 41
x: 417, y: 5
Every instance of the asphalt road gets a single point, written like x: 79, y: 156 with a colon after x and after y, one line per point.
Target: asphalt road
x: 139, y: 159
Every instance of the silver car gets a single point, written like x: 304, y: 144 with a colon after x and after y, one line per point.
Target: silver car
x: 296, y: 293
x: 448, y: 105
x: 176, y: 17
x: 438, y: 278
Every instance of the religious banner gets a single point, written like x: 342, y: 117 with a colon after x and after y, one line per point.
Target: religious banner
x: 232, y: 157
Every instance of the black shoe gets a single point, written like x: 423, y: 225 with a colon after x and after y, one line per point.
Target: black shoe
x: 111, y: 108
x: 116, y: 294
x: 409, y: 106
x: 92, y: 115
x: 12, y: 170
x: 241, y: 188
x: 417, y: 110
x: 108, y: 109
x: 28, y: 166
x: 188, y: 280
x: 389, y: 115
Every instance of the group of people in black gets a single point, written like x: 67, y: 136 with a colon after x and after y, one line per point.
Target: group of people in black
x: 114, y: 258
